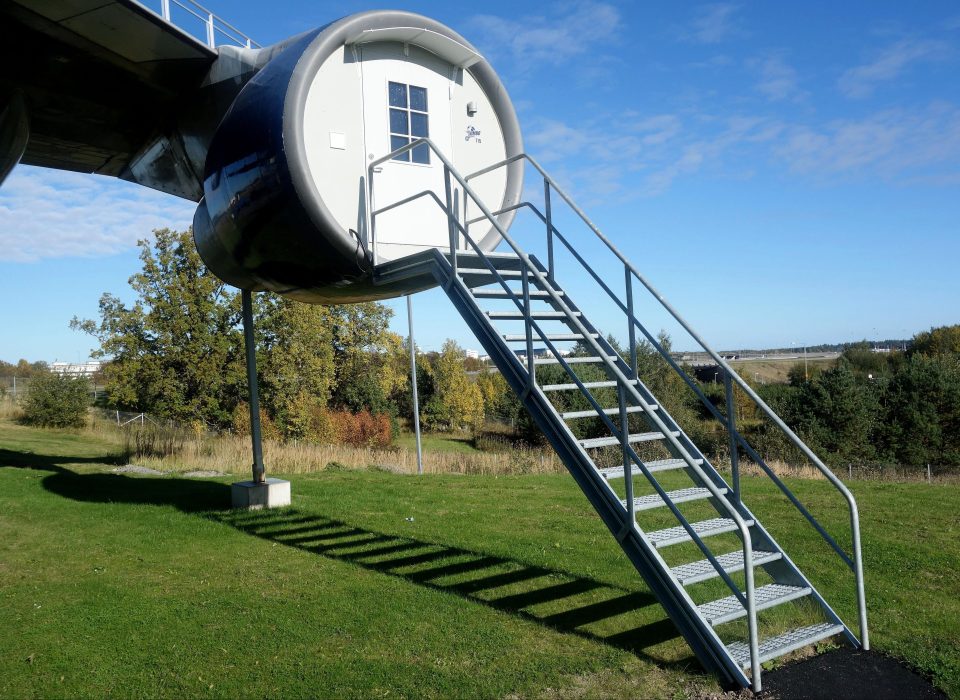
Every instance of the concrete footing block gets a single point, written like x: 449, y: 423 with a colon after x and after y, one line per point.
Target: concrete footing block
x: 249, y: 495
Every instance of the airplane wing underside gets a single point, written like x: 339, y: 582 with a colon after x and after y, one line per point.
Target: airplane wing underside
x: 109, y: 88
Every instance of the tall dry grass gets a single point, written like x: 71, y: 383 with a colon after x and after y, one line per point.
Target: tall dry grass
x: 9, y: 409
x: 178, y: 449
x: 939, y: 475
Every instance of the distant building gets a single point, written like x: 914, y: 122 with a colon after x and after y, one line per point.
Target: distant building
x: 76, y: 369
x: 472, y: 354
x: 521, y: 353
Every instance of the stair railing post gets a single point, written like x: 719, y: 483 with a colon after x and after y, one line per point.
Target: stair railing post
x: 528, y: 328
x: 748, y: 574
x: 211, y: 36
x: 548, y: 215
x: 627, y: 459
x: 631, y: 326
x: 732, y: 432
x: 248, y: 340
x: 451, y: 227
x: 858, y: 576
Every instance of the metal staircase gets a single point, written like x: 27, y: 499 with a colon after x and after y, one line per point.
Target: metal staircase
x: 702, y: 552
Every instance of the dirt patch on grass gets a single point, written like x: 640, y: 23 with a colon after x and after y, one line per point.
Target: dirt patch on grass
x: 851, y: 674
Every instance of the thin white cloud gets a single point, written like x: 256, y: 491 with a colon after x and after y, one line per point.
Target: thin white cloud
x: 907, y: 145
x: 640, y: 155
x: 657, y: 129
x: 715, y: 23
x: 56, y: 214
x: 616, y: 159
x: 547, y: 39
x: 889, y: 64
x: 777, y: 79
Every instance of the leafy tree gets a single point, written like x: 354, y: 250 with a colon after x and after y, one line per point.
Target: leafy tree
x: 664, y: 383
x: 457, y: 401
x: 357, y: 330
x: 393, y: 366
x: 493, y: 387
x: 295, y: 364
x: 177, y: 350
x: 838, y: 412
x: 867, y: 363
x: 403, y: 399
x: 801, y: 373
x: 944, y: 340
x: 923, y: 411
x: 23, y: 369
x: 57, y: 401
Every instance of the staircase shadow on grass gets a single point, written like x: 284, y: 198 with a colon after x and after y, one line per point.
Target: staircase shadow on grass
x: 429, y: 564
x: 416, y: 561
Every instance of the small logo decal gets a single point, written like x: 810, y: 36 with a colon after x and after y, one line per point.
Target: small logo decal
x: 473, y: 133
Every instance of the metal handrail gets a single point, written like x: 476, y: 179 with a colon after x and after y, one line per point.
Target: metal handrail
x: 689, y: 381
x: 857, y: 564
x: 214, y: 24
x: 450, y: 170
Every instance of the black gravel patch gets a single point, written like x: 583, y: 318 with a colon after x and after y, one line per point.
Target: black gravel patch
x: 850, y: 674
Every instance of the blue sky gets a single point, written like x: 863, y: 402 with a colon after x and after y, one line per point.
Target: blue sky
x: 783, y: 173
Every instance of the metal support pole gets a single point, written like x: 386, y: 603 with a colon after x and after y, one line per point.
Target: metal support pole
x: 413, y: 383
x: 732, y: 431
x: 165, y: 9
x: 211, y: 38
x: 251, y: 348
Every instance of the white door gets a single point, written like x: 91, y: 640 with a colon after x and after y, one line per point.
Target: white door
x: 406, y: 95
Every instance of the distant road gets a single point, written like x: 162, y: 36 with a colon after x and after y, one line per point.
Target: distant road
x: 702, y: 359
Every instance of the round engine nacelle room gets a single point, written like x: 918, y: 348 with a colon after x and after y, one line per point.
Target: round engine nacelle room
x: 289, y: 191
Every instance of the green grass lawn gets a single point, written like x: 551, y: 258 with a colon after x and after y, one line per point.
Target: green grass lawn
x: 436, y: 442
x: 376, y: 584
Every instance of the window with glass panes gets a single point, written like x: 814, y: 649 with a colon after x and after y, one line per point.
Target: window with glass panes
x: 408, y: 120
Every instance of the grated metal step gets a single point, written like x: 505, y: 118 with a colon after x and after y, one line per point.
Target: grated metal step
x: 586, y: 385
x: 717, y: 612
x: 636, y: 437
x: 697, y: 571
x: 536, y: 337
x: 513, y: 293
x: 704, y: 528
x: 573, y: 360
x: 654, y: 466
x: 535, y: 315
x: 484, y: 272
x: 592, y: 413
x: 478, y: 277
x: 679, y: 496
x: 784, y: 643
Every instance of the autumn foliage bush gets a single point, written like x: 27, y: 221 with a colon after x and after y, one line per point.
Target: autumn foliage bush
x: 325, y: 427
x: 362, y: 429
